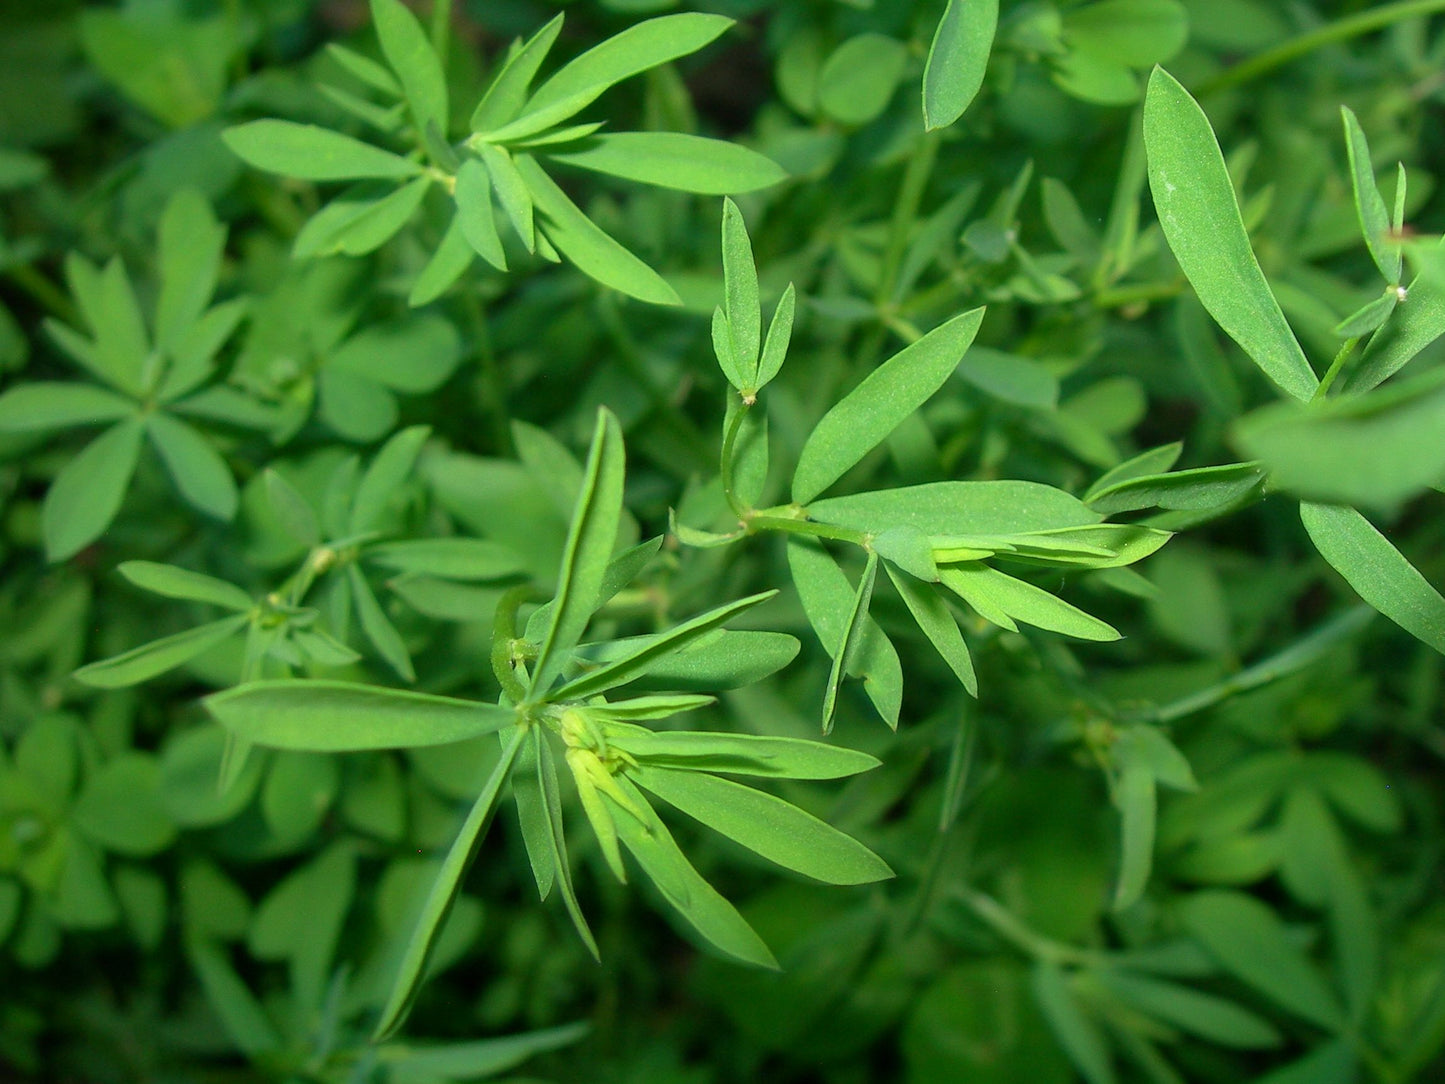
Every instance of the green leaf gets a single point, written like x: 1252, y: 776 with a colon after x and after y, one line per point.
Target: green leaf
x: 242, y: 1016
x: 87, y: 492
x: 1417, y: 321
x: 740, y: 754
x: 743, y: 311
x: 312, y: 153
x: 453, y: 255
x: 988, y: 591
x: 384, y: 477
x: 408, y: 1064
x: 585, y: 557
x: 512, y: 193
x: 108, y: 301
x: 355, y: 223
x: 660, y: 706
x: 1369, y: 316
x: 872, y: 410
x: 827, y: 599
x: 858, y: 79
x: 1201, y: 221
x: 43, y: 405
x: 450, y: 558
x: 1370, y: 205
x: 958, y: 508
x: 780, y: 334
x: 1077, y: 1033
x: 197, y: 468
x: 909, y: 549
x: 649, y: 841
x: 723, y: 659
x: 1153, y: 462
x: 957, y: 60
x: 412, y: 354
x: 1191, y: 1011
x: 415, y: 62
x: 119, y: 807
x: 850, y: 642
x: 1375, y: 450
x: 1249, y: 941
x: 506, y: 93
x: 1134, y: 795
x: 636, y: 662
x: 584, y: 243
x: 689, y: 163
x: 191, y: 244
x: 474, y: 211
x: 339, y: 716
x: 931, y: 614
x: 765, y: 824
x: 1378, y: 572
x: 1135, y: 33
x: 293, y: 511
x: 1197, y: 489
x: 365, y: 69
x: 176, y: 582
x: 552, y: 806
x: 145, y: 662
x: 532, y: 814
x: 377, y: 626
x: 444, y: 890
x: 645, y: 45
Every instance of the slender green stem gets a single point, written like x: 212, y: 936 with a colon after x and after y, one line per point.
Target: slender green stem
x: 49, y: 296
x: 504, y: 633
x: 905, y: 214
x: 1330, y: 34
x: 1007, y: 925
x: 1118, y: 297
x: 729, y: 454
x: 1338, y: 364
x: 1293, y: 658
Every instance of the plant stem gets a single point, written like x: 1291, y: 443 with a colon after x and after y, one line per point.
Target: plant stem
x: 905, y: 213
x: 729, y: 451
x: 1007, y: 925
x: 1333, y: 371
x: 1295, y: 657
x: 49, y: 296
x: 1310, y: 40
x: 764, y: 521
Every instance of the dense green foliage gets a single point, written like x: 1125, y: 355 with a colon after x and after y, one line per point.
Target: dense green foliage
x: 960, y: 456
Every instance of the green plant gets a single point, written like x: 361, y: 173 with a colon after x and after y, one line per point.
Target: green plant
x: 1155, y: 797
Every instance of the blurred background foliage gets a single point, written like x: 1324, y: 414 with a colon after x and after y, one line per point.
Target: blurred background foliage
x: 153, y: 928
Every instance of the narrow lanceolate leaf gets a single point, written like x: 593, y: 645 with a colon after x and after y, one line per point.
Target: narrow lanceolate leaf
x: 86, y: 494
x: 741, y: 754
x: 388, y: 470
x: 197, y: 468
x: 176, y: 582
x: 512, y: 193
x: 957, y: 60
x: 1136, y: 798
x: 872, y: 410
x: 409, y: 1064
x: 340, y: 716
x: 43, y: 404
x: 1003, y: 507
x: 552, y: 805
x: 987, y: 590
x: 415, y: 62
x: 852, y: 639
x: 932, y: 615
x: 780, y: 334
x: 698, y: 902
x: 1249, y: 941
x: 1197, y: 1013
x: 504, y: 97
x: 588, y: 549
x: 827, y: 599
x: 377, y: 626
x: 478, y: 220
x: 638, y: 661
x: 646, y: 45
x: 583, y: 242
x: 766, y: 825
x: 1194, y: 490
x: 1379, y: 572
x: 191, y: 244
x: 740, y: 293
x: 242, y: 1016
x: 1201, y: 221
x: 1417, y: 321
x: 354, y: 225
x: 726, y: 351
x: 1078, y: 1034
x: 145, y: 662
x: 710, y: 167
x: 443, y: 891
x: 532, y: 813
x: 452, y: 257
x: 1374, y: 216
x: 312, y: 153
